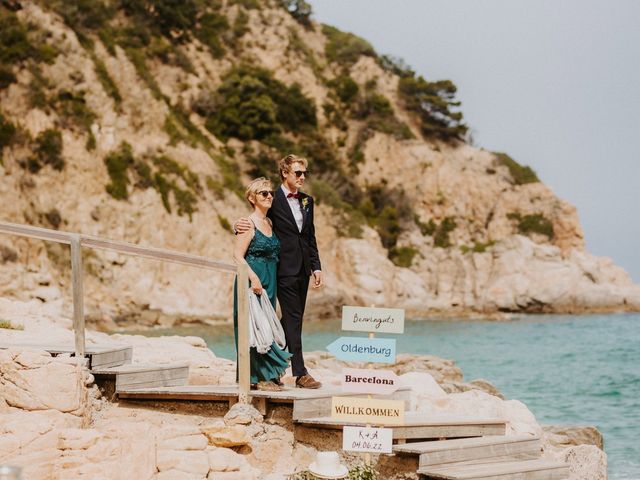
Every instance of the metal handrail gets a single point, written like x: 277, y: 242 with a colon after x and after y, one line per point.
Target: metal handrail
x: 76, y: 241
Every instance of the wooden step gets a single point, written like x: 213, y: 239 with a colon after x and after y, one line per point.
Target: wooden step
x: 221, y: 392
x: 100, y: 356
x: 421, y: 426
x: 227, y: 395
x: 539, y: 469
x: 465, y: 449
x: 137, y: 376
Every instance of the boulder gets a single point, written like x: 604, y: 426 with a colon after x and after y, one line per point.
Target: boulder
x: 221, y: 435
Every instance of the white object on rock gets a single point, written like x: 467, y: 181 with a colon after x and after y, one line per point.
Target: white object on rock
x: 327, y: 465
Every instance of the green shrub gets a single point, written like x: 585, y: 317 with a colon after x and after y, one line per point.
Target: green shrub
x: 144, y: 174
x: 16, y: 46
x: 37, y: 96
x: 54, y: 218
x: 535, y: 223
x: 73, y: 110
x: 433, y: 103
x: 163, y: 187
x: 478, y: 247
x: 427, y: 229
x: 249, y: 4
x: 185, y: 200
x: 402, y: 256
x: 373, y: 104
x: 263, y: 165
x: 210, y: 30
x: 441, y: 237
x: 298, y: 45
x: 47, y: 151
x: 345, y: 48
x: 253, y: 105
x: 7, y: 134
x: 386, y: 210
x: 138, y: 59
x: 520, y: 174
x: 379, y: 115
x: 167, y: 165
x: 118, y: 164
x: 224, y: 223
x: 240, y: 24
x: 349, y: 221
x: 171, y: 129
x: 105, y: 80
x: 395, y: 65
x: 10, y: 326
x: 345, y: 88
x: 83, y: 16
x: 174, y: 19
x: 300, y: 10
x: 6, y: 77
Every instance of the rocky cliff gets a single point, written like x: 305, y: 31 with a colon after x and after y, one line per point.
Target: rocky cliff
x: 141, y: 122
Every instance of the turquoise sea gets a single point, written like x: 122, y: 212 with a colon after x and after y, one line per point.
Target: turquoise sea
x: 578, y: 369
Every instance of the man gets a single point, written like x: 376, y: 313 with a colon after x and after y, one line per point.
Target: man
x: 292, y: 216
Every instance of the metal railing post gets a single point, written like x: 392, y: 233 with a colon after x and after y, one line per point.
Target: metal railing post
x: 78, y: 295
x: 243, y: 334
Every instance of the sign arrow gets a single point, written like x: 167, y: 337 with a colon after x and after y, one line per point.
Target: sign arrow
x: 360, y: 380
x: 377, y: 320
x: 360, y: 349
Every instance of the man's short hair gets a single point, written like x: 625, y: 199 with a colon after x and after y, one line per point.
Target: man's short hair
x: 285, y: 163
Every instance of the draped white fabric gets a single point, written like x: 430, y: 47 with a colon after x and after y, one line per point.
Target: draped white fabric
x: 264, y: 325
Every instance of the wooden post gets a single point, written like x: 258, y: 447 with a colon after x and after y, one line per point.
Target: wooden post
x: 367, y: 456
x: 243, y: 334
x: 78, y: 294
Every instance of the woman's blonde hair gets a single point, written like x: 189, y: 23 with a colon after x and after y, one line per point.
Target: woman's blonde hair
x: 257, y: 185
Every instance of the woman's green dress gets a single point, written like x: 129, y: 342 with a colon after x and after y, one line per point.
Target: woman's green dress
x: 262, y: 256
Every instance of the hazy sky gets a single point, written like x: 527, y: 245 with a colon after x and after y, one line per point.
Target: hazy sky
x: 554, y: 83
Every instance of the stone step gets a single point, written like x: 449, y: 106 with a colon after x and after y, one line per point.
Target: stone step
x: 466, y: 449
x: 100, y: 356
x: 136, y: 376
x: 538, y: 469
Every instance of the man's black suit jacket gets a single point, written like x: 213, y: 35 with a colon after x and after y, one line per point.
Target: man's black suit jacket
x: 298, y: 249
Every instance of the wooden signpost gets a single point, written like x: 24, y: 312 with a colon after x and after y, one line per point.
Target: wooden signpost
x: 360, y: 380
x: 356, y: 380
x: 360, y: 349
x: 369, y: 319
x: 367, y: 439
x: 368, y: 410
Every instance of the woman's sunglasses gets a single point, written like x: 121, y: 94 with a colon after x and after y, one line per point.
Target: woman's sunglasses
x: 265, y: 193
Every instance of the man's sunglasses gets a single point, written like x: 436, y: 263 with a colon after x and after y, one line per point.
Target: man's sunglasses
x: 299, y: 173
x: 265, y: 193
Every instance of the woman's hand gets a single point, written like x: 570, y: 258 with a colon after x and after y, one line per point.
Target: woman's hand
x: 256, y: 286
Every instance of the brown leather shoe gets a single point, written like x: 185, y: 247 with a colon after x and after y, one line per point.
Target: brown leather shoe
x: 307, y: 381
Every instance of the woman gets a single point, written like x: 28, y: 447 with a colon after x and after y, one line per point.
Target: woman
x: 260, y: 249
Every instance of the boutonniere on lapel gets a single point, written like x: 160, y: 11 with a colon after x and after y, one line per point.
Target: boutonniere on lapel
x: 305, y: 203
